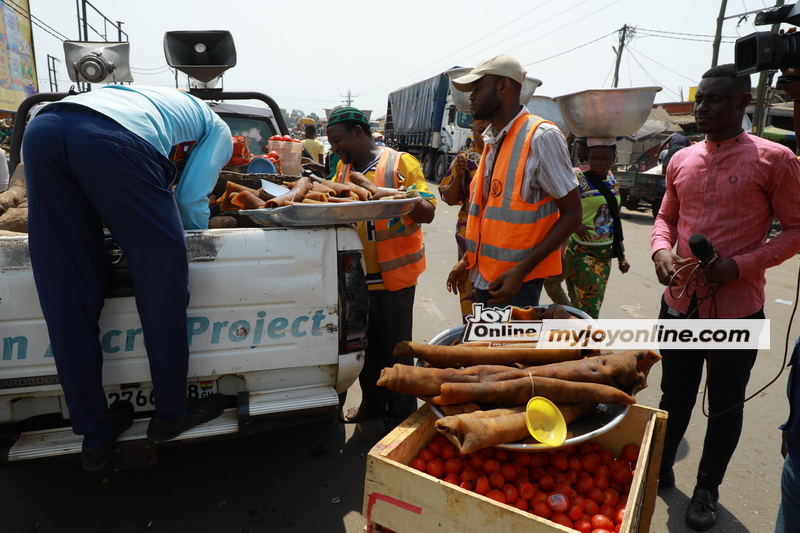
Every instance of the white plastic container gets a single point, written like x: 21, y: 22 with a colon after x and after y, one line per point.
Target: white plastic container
x: 290, y: 153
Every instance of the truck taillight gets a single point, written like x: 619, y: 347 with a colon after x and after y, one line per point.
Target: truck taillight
x: 354, y: 303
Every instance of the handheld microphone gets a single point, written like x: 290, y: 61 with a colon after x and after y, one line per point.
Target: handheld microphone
x: 702, y: 249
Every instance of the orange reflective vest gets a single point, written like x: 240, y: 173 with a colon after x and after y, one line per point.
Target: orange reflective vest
x: 503, y: 228
x: 401, y: 255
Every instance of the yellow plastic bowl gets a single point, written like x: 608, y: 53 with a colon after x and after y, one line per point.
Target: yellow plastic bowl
x: 545, y: 422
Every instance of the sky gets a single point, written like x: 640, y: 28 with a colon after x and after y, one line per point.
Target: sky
x: 309, y: 55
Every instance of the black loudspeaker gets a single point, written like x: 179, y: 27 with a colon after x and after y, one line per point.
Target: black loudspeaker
x: 203, y: 55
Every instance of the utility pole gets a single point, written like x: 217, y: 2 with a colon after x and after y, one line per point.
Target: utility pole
x: 51, y: 72
x: 622, y: 36
x: 349, y: 98
x: 718, y: 34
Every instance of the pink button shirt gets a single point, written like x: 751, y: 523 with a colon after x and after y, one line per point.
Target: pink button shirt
x: 729, y: 191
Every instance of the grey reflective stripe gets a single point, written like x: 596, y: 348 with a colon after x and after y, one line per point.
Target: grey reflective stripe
x: 504, y: 254
x: 388, y: 171
x: 473, y: 209
x: 402, y: 261
x: 472, y: 246
x: 521, y: 217
x: 386, y: 234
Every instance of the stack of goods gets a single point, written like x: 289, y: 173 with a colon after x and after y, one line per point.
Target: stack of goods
x: 484, y: 389
x: 14, y: 205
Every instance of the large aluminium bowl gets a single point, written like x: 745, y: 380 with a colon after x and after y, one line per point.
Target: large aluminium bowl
x: 607, y: 112
x: 461, y: 98
x: 548, y: 109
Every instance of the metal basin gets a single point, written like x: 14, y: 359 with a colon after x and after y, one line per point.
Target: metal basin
x: 548, y: 109
x: 461, y: 99
x: 607, y: 112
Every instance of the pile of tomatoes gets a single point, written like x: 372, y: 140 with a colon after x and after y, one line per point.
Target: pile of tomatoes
x: 284, y: 138
x: 583, y: 487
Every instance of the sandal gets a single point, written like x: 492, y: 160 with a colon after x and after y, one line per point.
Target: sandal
x: 355, y: 415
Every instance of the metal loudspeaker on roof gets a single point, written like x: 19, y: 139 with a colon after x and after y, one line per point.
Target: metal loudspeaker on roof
x: 201, y: 55
x: 98, y: 62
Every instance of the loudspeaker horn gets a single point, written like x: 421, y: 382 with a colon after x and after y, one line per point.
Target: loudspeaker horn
x: 203, y: 55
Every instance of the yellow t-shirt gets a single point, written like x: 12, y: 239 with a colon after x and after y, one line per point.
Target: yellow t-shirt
x: 315, y: 148
x: 409, y: 173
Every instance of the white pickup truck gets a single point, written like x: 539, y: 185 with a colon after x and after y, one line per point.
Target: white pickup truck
x: 277, y: 322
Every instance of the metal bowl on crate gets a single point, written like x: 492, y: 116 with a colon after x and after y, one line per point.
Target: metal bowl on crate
x: 607, y: 112
x: 605, y: 417
x: 461, y: 98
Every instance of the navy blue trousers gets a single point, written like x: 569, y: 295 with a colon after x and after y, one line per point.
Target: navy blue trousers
x: 83, y: 170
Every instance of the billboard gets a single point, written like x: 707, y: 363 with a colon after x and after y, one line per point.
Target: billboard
x: 17, y: 64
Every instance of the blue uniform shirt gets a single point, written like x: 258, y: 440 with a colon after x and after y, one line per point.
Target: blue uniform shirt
x: 165, y: 117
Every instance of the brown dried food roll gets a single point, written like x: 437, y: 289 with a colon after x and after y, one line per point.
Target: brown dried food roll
x: 323, y: 187
x: 340, y: 189
x: 421, y: 381
x: 247, y: 200
x: 360, y: 192
x: 519, y: 391
x: 463, y: 355
x: 296, y: 194
x: 317, y: 195
x: 362, y: 181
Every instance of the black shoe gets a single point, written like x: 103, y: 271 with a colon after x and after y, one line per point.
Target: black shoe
x: 200, y: 410
x: 666, y: 479
x: 702, y: 511
x: 98, y: 458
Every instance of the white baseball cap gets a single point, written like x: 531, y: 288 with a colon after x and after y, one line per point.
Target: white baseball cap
x: 503, y: 65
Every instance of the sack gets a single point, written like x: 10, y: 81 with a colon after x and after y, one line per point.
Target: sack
x: 241, y: 153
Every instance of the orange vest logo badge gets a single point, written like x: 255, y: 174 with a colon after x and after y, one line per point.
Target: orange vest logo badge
x: 495, y: 188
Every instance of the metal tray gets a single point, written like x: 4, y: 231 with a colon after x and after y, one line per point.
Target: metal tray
x: 330, y: 214
x: 605, y: 418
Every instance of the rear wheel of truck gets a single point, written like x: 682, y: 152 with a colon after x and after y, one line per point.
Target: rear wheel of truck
x: 440, y: 168
x: 429, y: 166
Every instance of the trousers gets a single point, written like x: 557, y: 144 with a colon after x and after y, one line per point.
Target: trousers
x: 84, y: 171
x: 728, y: 372
x: 528, y: 295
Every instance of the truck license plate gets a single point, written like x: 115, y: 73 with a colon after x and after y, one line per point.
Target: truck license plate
x: 143, y: 398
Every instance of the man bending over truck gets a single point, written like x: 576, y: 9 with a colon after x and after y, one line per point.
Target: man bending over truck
x: 101, y: 158
x: 394, y: 255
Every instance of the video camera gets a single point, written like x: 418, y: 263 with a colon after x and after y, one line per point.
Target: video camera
x: 764, y: 50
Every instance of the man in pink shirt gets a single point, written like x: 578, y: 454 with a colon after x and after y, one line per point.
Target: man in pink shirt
x: 728, y: 187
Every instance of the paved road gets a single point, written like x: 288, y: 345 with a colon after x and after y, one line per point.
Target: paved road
x: 312, y: 479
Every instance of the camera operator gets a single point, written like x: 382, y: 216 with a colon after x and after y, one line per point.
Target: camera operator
x: 728, y: 187
x: 789, y: 511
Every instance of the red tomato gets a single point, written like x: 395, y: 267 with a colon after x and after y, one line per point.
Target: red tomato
x: 476, y: 461
x: 426, y: 455
x: 435, y: 468
x: 287, y: 138
x: 605, y: 456
x: 526, y: 491
x: 591, y: 507
x: 523, y: 458
x: 276, y: 138
x: 453, y: 466
x: 575, y: 464
x: 448, y: 451
x: 546, y: 482
x: 491, y: 465
x: 575, y: 511
x: 508, y: 471
x: 436, y: 448
x: 482, y: 485
x: 496, y: 495
x: 522, y: 504
x: 452, y: 478
x: 619, y: 517
x: 596, y: 495
x: 622, y: 475
x: 441, y: 439
x: 562, y: 519
x: 273, y: 154
x: 496, y: 480
x: 469, y: 474
x: 584, y: 484
x: 611, y: 497
x: 501, y: 455
x: 608, y: 511
x: 582, y: 525
x: 559, y: 461
x: 601, y: 521
x: 602, y: 470
x: 601, y: 482
x: 630, y: 452
x: 590, y: 462
x: 511, y: 493
x: 418, y: 463
x: 542, y: 509
x: 465, y: 485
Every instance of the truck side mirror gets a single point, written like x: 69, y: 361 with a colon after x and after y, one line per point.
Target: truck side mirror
x: 451, y: 114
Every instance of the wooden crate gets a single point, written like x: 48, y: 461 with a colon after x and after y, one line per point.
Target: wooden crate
x: 405, y: 500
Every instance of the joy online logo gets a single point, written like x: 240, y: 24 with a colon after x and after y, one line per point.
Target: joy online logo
x: 494, y: 325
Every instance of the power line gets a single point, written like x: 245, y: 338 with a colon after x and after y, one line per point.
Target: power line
x: 439, y: 61
x: 728, y: 41
x: 647, y: 73
x: 35, y: 20
x: 571, y: 49
x: 688, y: 34
x: 663, y: 66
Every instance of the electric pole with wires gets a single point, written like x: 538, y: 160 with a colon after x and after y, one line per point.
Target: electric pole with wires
x: 626, y: 34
